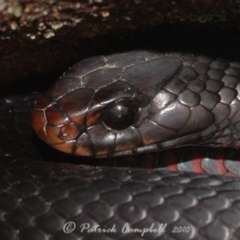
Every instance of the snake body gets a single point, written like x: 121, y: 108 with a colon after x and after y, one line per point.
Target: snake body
x: 141, y: 101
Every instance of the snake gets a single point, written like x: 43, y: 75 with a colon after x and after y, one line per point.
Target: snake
x: 118, y: 106
x: 141, y: 101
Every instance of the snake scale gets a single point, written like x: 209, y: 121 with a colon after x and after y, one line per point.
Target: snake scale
x: 122, y: 104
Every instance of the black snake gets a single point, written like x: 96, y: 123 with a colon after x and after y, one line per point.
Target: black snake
x: 139, y: 102
x: 119, y: 105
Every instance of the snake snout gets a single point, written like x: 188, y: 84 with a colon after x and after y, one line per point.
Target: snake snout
x: 53, y: 126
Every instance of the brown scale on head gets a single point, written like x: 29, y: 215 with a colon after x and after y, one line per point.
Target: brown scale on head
x: 126, y: 104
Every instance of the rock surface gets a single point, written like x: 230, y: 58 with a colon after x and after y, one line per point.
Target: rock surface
x: 39, y: 40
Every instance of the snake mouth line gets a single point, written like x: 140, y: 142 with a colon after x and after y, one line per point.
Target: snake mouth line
x: 189, y: 140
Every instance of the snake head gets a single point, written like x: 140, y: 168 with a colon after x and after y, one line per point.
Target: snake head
x: 86, y: 122
x: 126, y: 103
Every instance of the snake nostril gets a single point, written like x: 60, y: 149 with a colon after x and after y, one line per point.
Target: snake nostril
x: 64, y: 134
x: 69, y: 132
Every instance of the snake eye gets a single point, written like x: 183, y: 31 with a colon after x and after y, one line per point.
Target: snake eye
x: 120, y: 114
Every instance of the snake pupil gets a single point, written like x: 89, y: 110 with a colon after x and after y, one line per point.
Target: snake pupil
x: 120, y: 114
